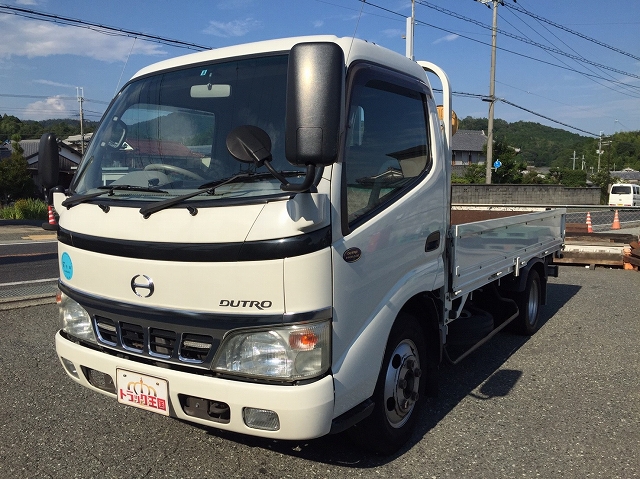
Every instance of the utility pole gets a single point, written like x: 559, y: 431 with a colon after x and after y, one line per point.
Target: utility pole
x: 574, y: 159
x: 599, y: 149
x: 80, y: 95
x: 492, y: 86
x: 411, y: 22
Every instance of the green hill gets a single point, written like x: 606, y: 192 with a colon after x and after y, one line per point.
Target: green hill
x: 542, y: 145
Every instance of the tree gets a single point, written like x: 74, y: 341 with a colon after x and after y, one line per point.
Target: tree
x: 15, y: 180
x: 567, y: 177
x: 511, y: 169
x: 602, y: 179
x: 473, y: 174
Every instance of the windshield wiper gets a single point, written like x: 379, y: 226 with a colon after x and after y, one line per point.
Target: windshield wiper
x: 250, y: 176
x: 77, y: 199
x: 209, y: 188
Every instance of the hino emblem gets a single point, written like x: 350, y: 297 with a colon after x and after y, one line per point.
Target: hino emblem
x: 142, y: 285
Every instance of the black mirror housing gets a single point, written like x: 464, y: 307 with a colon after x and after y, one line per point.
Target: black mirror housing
x: 315, y: 101
x: 48, y: 161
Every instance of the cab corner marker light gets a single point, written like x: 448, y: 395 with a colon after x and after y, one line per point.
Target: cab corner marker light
x: 303, y: 340
x: 263, y: 419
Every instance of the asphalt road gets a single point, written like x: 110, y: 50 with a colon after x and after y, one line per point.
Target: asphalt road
x: 563, y: 403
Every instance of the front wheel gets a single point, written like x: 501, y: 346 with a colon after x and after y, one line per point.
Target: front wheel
x: 399, y: 390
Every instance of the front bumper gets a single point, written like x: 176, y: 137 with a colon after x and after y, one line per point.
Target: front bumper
x: 304, y: 411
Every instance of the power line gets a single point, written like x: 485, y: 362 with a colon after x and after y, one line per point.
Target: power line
x: 629, y: 91
x: 528, y: 41
x: 478, y: 96
x: 561, y: 27
x: 23, y: 12
x: 545, y: 117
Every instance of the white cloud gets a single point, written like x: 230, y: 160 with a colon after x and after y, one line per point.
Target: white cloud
x: 53, y: 83
x: 32, y: 38
x: 234, y: 4
x: 52, y: 107
x: 393, y: 33
x: 27, y: 2
x: 318, y: 23
x: 235, y: 28
x: 447, y: 38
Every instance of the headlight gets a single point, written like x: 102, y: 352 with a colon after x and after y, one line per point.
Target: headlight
x: 74, y: 319
x: 292, y: 352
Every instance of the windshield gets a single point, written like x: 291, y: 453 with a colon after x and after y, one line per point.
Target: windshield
x: 166, y: 134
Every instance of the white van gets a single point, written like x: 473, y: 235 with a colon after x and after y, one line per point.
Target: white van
x: 624, y: 194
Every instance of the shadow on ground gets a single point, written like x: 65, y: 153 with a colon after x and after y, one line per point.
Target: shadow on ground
x: 482, y: 370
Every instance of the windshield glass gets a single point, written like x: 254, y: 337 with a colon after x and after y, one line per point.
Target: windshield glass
x: 167, y: 132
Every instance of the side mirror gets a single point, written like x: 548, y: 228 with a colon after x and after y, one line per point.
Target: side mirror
x: 250, y: 144
x: 315, y: 101
x: 48, y: 161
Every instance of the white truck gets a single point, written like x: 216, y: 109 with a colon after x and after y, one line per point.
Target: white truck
x: 259, y: 238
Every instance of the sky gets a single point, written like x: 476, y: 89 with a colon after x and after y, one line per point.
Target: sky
x: 570, y: 64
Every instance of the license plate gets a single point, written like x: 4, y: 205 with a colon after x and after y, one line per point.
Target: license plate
x: 145, y: 392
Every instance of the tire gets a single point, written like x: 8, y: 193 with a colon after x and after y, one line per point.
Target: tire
x: 399, y: 391
x: 529, y: 301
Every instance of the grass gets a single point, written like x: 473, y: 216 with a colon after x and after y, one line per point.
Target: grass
x: 25, y: 209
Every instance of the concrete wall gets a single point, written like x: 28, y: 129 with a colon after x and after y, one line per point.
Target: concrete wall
x: 524, y: 194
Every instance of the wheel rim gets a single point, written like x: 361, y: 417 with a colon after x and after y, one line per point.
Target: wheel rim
x: 402, y: 383
x: 533, y: 303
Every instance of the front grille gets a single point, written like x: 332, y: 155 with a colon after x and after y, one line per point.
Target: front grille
x: 132, y: 337
x: 195, y: 347
x: 182, y: 347
x: 162, y: 342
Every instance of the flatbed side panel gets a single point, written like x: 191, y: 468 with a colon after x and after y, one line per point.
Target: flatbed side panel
x: 483, y: 251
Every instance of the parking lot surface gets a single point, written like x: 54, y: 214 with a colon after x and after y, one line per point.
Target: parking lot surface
x: 562, y: 403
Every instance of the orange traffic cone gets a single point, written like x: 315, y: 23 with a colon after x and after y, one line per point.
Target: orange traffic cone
x: 589, y: 228
x: 52, y: 219
x: 51, y: 223
x: 616, y: 222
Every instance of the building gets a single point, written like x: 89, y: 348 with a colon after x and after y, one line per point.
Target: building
x: 467, y: 147
x: 69, y: 159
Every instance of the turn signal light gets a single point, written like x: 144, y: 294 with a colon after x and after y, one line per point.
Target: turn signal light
x: 303, y: 340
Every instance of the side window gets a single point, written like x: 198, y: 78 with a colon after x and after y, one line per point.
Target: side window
x: 387, y: 144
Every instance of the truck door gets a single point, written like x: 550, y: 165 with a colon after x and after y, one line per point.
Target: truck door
x: 393, y: 206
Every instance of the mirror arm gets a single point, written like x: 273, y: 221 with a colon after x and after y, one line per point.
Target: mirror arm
x: 273, y: 171
x: 305, y: 185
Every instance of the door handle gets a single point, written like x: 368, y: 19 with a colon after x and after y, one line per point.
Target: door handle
x: 433, y: 241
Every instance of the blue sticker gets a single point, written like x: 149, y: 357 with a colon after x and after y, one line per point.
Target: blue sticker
x: 67, y: 265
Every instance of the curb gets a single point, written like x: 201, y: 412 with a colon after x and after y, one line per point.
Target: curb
x: 22, y: 222
x: 26, y: 301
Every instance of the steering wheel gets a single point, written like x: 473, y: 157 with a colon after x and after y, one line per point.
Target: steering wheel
x: 173, y: 169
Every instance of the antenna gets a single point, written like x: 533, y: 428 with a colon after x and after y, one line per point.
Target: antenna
x: 125, y: 66
x: 354, y: 32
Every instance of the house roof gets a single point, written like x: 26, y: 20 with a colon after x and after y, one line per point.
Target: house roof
x: 468, y: 140
x: 627, y: 174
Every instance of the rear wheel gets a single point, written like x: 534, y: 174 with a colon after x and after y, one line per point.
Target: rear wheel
x: 528, y: 302
x: 399, y: 390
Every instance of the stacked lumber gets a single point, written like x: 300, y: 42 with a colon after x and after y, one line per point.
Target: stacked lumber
x: 594, y: 249
x: 631, y: 256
